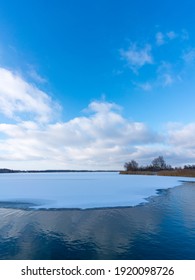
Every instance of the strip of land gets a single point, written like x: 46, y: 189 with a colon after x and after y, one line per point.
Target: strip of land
x: 6, y: 170
x: 176, y: 172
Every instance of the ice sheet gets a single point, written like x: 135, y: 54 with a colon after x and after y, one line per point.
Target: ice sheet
x: 81, y: 190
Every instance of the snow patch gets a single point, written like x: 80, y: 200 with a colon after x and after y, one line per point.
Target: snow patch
x: 81, y: 190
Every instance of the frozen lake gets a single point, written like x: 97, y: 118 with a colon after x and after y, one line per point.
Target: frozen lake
x: 81, y: 189
x: 152, y: 230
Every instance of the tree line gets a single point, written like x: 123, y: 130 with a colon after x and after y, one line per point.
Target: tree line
x: 157, y: 164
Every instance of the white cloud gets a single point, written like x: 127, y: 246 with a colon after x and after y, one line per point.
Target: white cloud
x: 103, y: 139
x: 19, y: 98
x: 137, y: 57
x: 182, y: 135
x: 177, y: 146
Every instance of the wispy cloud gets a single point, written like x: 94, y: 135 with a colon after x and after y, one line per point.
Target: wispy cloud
x: 189, y: 56
x: 164, y: 38
x: 166, y: 59
x: 36, y: 77
x: 18, y: 98
x: 165, y: 74
x: 136, y: 57
x: 148, y: 86
x: 160, y: 38
x: 167, y: 79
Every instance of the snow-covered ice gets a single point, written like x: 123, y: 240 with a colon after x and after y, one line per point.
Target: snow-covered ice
x: 82, y: 189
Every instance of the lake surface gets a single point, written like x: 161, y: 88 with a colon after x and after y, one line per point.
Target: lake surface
x: 80, y: 189
x: 161, y: 228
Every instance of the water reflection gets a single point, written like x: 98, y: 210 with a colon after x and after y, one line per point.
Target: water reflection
x: 164, y: 228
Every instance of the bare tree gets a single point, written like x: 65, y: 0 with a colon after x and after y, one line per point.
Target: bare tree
x: 159, y: 163
x: 131, y: 166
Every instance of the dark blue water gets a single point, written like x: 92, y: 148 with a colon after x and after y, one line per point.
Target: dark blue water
x: 163, y: 228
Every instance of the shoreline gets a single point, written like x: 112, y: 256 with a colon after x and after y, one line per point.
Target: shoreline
x: 174, y: 173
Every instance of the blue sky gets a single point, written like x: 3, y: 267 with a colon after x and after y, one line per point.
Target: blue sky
x: 92, y: 84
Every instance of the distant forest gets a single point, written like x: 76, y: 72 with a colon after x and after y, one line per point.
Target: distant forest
x: 6, y: 170
x: 156, y: 165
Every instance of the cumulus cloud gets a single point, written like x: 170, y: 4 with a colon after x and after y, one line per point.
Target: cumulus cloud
x: 19, y: 98
x: 137, y: 57
x: 177, y: 146
x: 101, y: 139
x: 182, y: 135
